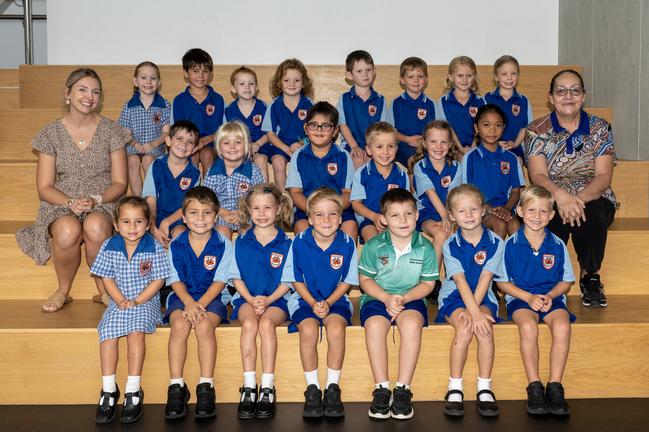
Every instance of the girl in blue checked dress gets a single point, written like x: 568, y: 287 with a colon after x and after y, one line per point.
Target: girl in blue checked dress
x: 133, y: 266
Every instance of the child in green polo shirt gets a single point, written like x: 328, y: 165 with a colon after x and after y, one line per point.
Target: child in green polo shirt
x: 397, y: 271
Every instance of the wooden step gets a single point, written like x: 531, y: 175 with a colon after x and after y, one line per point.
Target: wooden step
x: 42, y: 348
x: 9, y: 98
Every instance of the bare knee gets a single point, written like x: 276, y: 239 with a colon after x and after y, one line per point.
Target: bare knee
x: 308, y: 333
x: 66, y: 232
x: 97, y: 228
x: 249, y: 327
x: 267, y: 327
x: 528, y: 329
x: 463, y: 336
x: 180, y: 327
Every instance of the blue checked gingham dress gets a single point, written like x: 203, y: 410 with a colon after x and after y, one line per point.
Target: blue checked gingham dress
x: 146, y: 124
x: 148, y: 263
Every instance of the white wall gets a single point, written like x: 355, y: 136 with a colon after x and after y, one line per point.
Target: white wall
x: 317, y: 32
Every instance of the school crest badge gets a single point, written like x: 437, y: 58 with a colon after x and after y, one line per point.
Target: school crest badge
x: 384, y: 259
x: 480, y: 257
x: 332, y: 168
x: 185, y: 182
x: 473, y: 111
x: 209, y: 262
x: 157, y: 117
x: 209, y: 109
x: 276, y: 259
x: 516, y: 109
x: 301, y: 114
x: 371, y: 110
x: 548, y: 261
x: 336, y: 261
x: 421, y: 113
x: 244, y: 187
x: 145, y: 267
x: 256, y: 120
x: 392, y: 186
x: 445, y: 181
x: 504, y: 167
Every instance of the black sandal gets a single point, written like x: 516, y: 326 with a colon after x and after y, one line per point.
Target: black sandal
x: 454, y: 409
x: 487, y: 408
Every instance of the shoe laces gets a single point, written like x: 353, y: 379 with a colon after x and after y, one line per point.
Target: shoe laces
x: 382, y: 395
x: 402, y: 395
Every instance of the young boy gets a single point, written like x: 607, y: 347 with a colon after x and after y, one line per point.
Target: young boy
x: 537, y: 274
x: 321, y: 163
x: 200, y: 104
x: 322, y: 266
x: 411, y: 111
x: 168, y: 179
x: 397, y: 271
x: 200, y: 260
x: 375, y: 178
x: 361, y: 106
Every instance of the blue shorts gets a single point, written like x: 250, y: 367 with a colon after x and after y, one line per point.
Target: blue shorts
x: 427, y: 214
x: 280, y: 303
x: 270, y: 150
x: 450, y: 304
x: 377, y: 308
x: 216, y: 306
x: 557, y: 303
x: 175, y: 224
x: 348, y: 214
x: 405, y: 152
x: 341, y: 307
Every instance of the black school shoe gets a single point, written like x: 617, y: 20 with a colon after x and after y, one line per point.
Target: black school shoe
x: 380, y: 407
x: 592, y: 291
x: 205, y: 401
x: 313, y: 402
x: 536, y: 403
x: 401, y: 408
x: 556, y: 400
x: 332, y: 403
x: 177, y: 398
x: 247, y: 404
x: 132, y: 412
x: 105, y: 411
x: 487, y: 408
x: 454, y: 409
x: 266, y: 403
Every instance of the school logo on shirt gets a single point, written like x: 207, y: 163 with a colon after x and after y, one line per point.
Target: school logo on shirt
x: 445, y: 181
x: 371, y: 110
x: 516, y: 110
x: 384, y: 259
x: 504, y: 167
x: 209, y: 109
x: 276, y: 259
x: 185, y: 182
x: 392, y: 186
x: 244, y: 187
x: 548, y: 261
x: 145, y: 267
x: 256, y: 120
x: 336, y: 261
x: 480, y: 257
x: 301, y: 114
x: 332, y: 168
x: 209, y: 262
x: 421, y: 113
x: 473, y: 111
x: 157, y: 117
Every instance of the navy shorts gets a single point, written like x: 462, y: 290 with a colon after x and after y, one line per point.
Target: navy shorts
x: 450, y: 304
x: 348, y: 214
x: 517, y: 304
x: 280, y: 303
x: 405, y: 152
x: 377, y: 308
x: 427, y: 214
x: 304, y: 312
x: 270, y: 150
x: 216, y: 306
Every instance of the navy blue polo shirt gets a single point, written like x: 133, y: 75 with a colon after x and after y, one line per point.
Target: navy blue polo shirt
x: 309, y: 172
x: 573, y: 142
x: 494, y: 173
x: 207, y: 115
x: 286, y: 124
x: 426, y: 177
x: 517, y: 109
x: 253, y: 121
x: 461, y: 117
x: 359, y: 114
x: 369, y: 185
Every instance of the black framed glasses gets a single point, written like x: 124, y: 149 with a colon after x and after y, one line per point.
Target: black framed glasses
x: 324, y: 127
x: 575, y: 91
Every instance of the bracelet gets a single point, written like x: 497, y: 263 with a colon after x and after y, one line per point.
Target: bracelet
x: 69, y: 203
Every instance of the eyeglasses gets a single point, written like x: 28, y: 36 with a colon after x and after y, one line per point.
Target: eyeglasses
x: 575, y: 91
x: 324, y: 127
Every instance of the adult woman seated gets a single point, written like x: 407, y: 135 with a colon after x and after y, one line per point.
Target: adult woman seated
x: 571, y: 153
x: 81, y: 172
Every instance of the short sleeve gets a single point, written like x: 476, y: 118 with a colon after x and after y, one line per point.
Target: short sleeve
x: 367, y: 264
x: 384, y: 111
x: 222, y: 272
x: 166, y: 114
x: 341, y: 111
x: 389, y: 117
x: 519, y: 181
x: 452, y: 265
x: 350, y: 171
x: 439, y: 110
x: 495, y: 263
x: 161, y: 268
x: 422, y: 181
x: 605, y: 136
x: 288, y: 274
x: 506, y: 258
x: 530, y: 113
x: 568, y: 273
x: 173, y: 273
x: 124, y: 117
x: 267, y: 124
x: 429, y: 270
x: 118, y: 136
x: 45, y: 139
x: 257, y: 176
x: 294, y: 180
x: 533, y: 144
x: 233, y: 271
x: 358, y: 188
x: 351, y: 277
x: 103, y: 265
x: 148, y: 189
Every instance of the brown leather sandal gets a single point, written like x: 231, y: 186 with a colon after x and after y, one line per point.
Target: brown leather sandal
x: 55, y: 302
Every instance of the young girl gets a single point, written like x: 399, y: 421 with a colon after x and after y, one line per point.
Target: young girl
x: 472, y: 256
x: 516, y: 106
x: 249, y: 110
x: 232, y: 174
x: 132, y: 265
x: 461, y: 102
x: 495, y: 171
x: 147, y: 116
x: 260, y: 303
x: 284, y: 121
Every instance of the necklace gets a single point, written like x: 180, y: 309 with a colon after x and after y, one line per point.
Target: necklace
x: 82, y: 142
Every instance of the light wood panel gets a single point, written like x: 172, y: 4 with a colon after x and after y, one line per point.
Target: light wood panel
x: 19, y: 199
x: 631, y: 187
x: 9, y: 98
x: 9, y: 77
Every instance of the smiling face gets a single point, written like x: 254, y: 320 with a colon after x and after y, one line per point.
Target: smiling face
x: 382, y: 148
x: 362, y: 74
x: 320, y: 138
x: 507, y: 76
x: 437, y: 143
x: 490, y: 127
x: 536, y: 213
x: 414, y: 81
x: 84, y: 95
x: 467, y: 211
x: 263, y: 210
x: 147, y: 80
x: 131, y: 223
x: 198, y: 76
x: 232, y: 148
x: 462, y: 77
x: 567, y: 105
x: 325, y: 217
x: 401, y: 219
x: 199, y: 218
x: 245, y: 86
x: 292, y: 82
x: 181, y: 144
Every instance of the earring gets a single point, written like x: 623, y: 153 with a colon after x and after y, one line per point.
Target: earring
x: 67, y: 101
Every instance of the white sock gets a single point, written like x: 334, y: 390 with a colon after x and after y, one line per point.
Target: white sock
x: 250, y: 379
x: 485, y: 384
x: 133, y: 386
x: 455, y: 384
x: 180, y: 381
x: 203, y: 380
x: 268, y: 380
x: 406, y: 386
x: 384, y: 384
x: 312, y: 378
x: 333, y: 376
x: 108, y: 385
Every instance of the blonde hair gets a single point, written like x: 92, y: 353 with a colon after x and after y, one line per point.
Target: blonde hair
x: 412, y: 63
x: 464, y: 189
x: 535, y: 192
x: 379, y: 128
x: 281, y: 197
x: 242, y: 70
x: 421, y: 148
x: 322, y: 194
x: 275, y: 84
x: 237, y: 129
x: 503, y: 60
x: 462, y: 61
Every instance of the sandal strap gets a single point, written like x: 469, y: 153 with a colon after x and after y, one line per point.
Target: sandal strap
x: 454, y: 391
x: 486, y: 391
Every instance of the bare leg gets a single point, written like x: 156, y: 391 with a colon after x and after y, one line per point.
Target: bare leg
x: 376, y: 331
x: 248, y: 340
x: 300, y: 226
x: 410, y: 324
x: 262, y: 163
x: 559, y: 323
x: 206, y: 338
x: 227, y: 232
x: 66, y: 250
x: 350, y: 228
x: 207, y: 158
x: 368, y: 232
x: 486, y: 350
x: 177, y: 348
x: 335, y: 326
x: 97, y: 227
x: 460, y: 344
x: 134, y: 179
x: 271, y: 318
x: 279, y: 170
x: 309, y: 343
x: 528, y: 330
x: 108, y: 355
x: 136, y: 353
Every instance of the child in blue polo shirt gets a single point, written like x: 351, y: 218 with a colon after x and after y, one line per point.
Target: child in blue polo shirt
x: 260, y: 303
x: 515, y: 105
x: 495, y: 171
x: 133, y: 267
x: 361, y: 106
x: 200, y: 258
x: 284, y: 121
x: 321, y: 163
x: 375, y: 178
x: 322, y: 266
x: 413, y: 110
x: 232, y: 175
x: 168, y: 179
x: 472, y: 256
x: 200, y: 104
x: 537, y: 275
x: 460, y: 104
x: 249, y: 110
x: 147, y: 116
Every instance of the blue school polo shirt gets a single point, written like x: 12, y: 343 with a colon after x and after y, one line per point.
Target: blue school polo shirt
x: 286, y: 124
x: 207, y: 115
x: 253, y: 121
x: 409, y: 116
x: 494, y: 173
x: 169, y: 191
x: 309, y: 172
x: 539, y: 271
x: 461, y: 117
x: 369, y: 185
x: 359, y: 114
x: 199, y: 272
x: 517, y: 109
x: 426, y: 177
